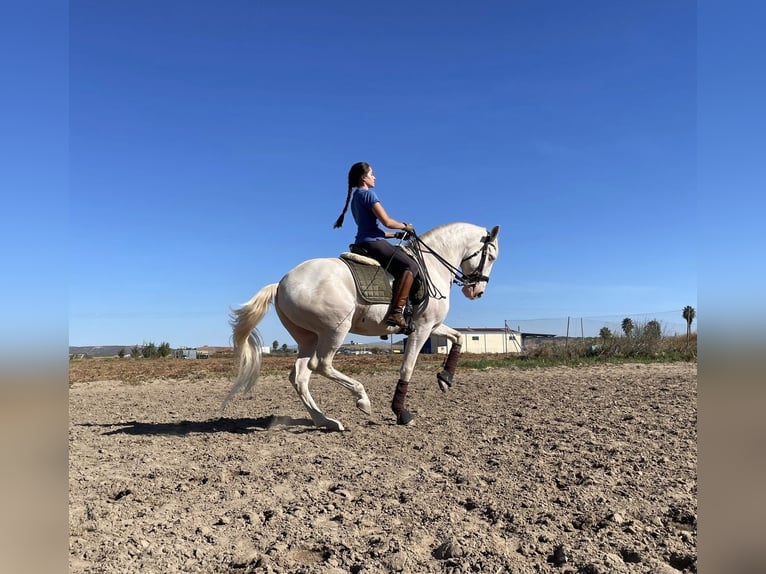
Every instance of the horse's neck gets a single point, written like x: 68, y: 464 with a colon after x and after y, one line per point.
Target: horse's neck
x: 451, y: 243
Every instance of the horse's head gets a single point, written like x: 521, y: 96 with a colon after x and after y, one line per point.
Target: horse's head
x: 477, y: 266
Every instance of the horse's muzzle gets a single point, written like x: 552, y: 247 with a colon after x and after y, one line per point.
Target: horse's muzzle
x: 474, y: 291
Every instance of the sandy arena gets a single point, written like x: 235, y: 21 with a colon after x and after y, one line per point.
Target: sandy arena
x: 590, y: 470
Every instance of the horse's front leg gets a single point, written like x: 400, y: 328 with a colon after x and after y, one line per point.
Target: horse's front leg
x: 444, y: 378
x: 414, y: 343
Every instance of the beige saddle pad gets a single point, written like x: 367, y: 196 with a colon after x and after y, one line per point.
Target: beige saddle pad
x: 373, y: 282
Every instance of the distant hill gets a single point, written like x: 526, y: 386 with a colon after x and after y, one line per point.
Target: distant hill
x: 114, y: 350
x: 101, y: 350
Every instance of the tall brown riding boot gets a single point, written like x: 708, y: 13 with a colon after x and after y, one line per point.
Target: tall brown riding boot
x: 401, y: 289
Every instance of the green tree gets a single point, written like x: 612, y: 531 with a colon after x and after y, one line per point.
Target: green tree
x: 164, y: 349
x: 275, y: 345
x: 627, y: 326
x: 149, y: 350
x: 284, y: 347
x: 689, y: 314
x: 605, y: 333
x: 653, y: 329
x: 135, y: 352
x: 121, y: 354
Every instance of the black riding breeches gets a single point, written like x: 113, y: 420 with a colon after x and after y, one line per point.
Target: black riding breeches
x: 393, y: 259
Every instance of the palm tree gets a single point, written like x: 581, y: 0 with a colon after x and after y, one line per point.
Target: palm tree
x: 627, y: 326
x: 689, y: 314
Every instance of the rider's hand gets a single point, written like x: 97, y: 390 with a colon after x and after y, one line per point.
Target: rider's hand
x: 409, y: 229
x: 400, y: 234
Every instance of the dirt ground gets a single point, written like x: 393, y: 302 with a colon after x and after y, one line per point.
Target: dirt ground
x: 590, y: 470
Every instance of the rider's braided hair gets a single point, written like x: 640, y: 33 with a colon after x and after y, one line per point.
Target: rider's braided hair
x: 355, y: 175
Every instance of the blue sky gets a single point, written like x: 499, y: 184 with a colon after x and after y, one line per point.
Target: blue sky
x: 209, y: 145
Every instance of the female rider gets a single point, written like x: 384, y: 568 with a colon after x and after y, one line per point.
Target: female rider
x: 368, y: 211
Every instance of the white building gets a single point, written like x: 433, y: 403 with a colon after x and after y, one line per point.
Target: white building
x: 479, y: 340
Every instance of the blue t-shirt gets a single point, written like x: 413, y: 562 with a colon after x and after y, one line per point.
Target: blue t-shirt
x: 366, y: 222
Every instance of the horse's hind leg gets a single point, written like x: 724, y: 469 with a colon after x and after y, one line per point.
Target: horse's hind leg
x: 300, y: 374
x: 326, y: 349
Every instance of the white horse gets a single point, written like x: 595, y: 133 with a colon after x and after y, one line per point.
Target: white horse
x: 318, y: 303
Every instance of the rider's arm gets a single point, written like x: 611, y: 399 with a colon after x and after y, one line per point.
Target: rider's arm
x: 383, y: 217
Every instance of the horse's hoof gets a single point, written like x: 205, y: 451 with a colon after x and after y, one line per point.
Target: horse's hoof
x: 334, y: 425
x: 405, y: 418
x: 445, y: 381
x: 364, y: 406
x: 327, y: 423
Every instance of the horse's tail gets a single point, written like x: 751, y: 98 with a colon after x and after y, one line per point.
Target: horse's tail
x: 247, y: 340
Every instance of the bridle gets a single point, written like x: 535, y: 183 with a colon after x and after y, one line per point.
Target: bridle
x: 475, y: 276
x: 460, y: 278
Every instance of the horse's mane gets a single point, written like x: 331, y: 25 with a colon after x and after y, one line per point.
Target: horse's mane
x: 439, y: 229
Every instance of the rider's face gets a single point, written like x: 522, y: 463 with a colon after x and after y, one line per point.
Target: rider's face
x: 369, y: 179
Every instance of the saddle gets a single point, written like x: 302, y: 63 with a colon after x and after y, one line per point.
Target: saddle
x: 373, y: 283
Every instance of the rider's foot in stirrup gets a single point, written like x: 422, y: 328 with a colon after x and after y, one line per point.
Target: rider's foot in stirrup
x: 396, y: 320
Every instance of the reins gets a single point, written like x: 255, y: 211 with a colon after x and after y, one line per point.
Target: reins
x: 417, y: 246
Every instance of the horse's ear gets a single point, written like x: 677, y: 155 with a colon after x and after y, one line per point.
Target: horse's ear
x: 494, y: 232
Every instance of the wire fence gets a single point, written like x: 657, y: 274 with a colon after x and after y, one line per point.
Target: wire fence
x: 671, y: 323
